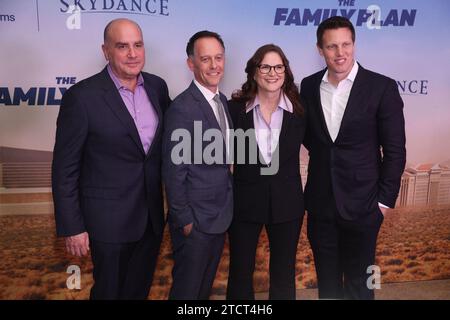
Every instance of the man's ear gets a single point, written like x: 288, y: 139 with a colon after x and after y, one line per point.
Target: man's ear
x: 190, y: 63
x: 105, y: 51
x: 319, y: 49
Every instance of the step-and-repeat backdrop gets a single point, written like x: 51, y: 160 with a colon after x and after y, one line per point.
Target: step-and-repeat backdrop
x: 48, y: 45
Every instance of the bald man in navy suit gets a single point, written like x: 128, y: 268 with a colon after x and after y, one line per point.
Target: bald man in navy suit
x: 106, y: 173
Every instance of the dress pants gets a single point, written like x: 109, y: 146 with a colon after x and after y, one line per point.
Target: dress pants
x: 124, y: 270
x: 343, y: 250
x: 196, y: 258
x: 283, y: 240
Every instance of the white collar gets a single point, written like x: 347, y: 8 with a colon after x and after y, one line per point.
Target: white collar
x: 284, y: 104
x: 351, y: 76
x: 205, y: 91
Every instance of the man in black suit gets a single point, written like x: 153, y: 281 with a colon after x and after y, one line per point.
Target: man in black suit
x: 106, y: 167
x: 356, y: 141
x: 199, y: 191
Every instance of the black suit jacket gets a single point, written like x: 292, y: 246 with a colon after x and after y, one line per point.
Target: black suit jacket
x: 103, y: 182
x: 268, y: 198
x: 363, y: 166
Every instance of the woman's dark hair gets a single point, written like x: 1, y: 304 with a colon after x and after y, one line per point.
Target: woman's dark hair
x: 249, y: 89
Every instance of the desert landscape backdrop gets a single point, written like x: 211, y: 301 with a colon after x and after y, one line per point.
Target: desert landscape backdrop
x: 414, y: 244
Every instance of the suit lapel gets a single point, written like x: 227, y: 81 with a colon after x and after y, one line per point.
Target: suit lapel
x: 117, y: 106
x: 207, y: 111
x: 248, y: 120
x: 152, y: 95
x: 250, y: 124
x: 320, y: 108
x: 285, y: 127
x: 204, y: 106
x: 353, y: 101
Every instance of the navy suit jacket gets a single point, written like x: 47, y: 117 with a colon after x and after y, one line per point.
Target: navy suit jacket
x: 103, y: 182
x: 364, y: 165
x: 197, y: 193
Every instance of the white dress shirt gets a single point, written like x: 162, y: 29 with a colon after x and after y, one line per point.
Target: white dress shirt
x: 209, y: 96
x: 268, y: 134
x: 334, y: 100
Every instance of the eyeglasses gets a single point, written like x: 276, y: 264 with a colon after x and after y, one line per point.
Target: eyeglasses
x: 265, y: 68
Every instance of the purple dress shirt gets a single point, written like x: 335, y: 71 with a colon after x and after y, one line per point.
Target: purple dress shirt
x: 140, y: 108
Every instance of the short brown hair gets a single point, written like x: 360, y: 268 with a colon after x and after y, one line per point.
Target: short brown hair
x: 334, y: 23
x: 199, y: 35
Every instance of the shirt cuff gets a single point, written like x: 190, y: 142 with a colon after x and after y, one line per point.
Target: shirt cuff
x: 382, y: 205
